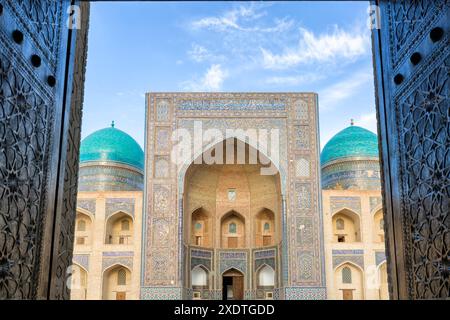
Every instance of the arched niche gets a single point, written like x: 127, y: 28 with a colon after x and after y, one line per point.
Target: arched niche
x: 349, y: 280
x: 201, y: 233
x: 346, y: 226
x: 116, y: 283
x: 265, y: 231
x: 378, y: 227
x: 78, y: 283
x: 83, y: 229
x: 199, y: 278
x: 265, y: 277
x: 232, y: 230
x: 119, y: 229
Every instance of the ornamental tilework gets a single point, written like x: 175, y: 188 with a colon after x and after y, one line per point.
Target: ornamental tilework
x: 301, y: 110
x: 82, y: 260
x: 162, y: 143
x: 302, y: 140
x: 160, y: 261
x: 374, y: 202
x: 162, y: 110
x: 356, y: 259
x: 338, y: 203
x: 201, y: 253
x: 231, y: 104
x: 113, y: 205
x: 201, y: 261
x: 124, y: 261
x: 118, y: 254
x: 161, y: 198
x: 87, y: 204
x: 236, y: 260
x: 162, y: 167
x: 161, y: 234
x: 305, y: 266
x: 301, y: 293
x: 302, y: 168
x: 265, y: 261
x: 261, y: 254
x: 303, y: 196
x: 304, y: 229
x: 380, y: 257
x: 161, y: 293
x: 166, y: 267
x: 347, y: 252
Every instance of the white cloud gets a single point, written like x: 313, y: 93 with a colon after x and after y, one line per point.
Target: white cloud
x: 212, y: 80
x: 329, y: 47
x: 242, y: 18
x: 368, y: 121
x: 331, y: 96
x: 229, y: 20
x: 199, y: 53
x: 293, y: 80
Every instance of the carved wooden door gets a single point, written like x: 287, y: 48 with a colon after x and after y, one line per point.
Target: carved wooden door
x: 40, y: 118
x: 412, y: 62
x: 238, y: 288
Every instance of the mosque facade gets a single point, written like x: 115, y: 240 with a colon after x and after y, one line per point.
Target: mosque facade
x: 228, y: 204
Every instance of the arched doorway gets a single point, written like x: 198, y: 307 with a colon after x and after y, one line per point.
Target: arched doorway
x: 229, y: 210
x: 116, y: 283
x: 348, y: 280
x: 232, y: 285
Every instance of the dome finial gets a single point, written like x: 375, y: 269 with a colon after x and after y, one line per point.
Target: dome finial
x: 352, y: 122
x: 112, y: 124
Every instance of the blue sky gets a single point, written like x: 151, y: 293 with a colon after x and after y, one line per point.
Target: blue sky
x: 137, y: 47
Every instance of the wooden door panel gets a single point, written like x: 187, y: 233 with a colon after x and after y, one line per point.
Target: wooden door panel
x: 412, y: 63
x: 40, y: 136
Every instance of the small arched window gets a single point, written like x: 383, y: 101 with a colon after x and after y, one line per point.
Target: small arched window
x: 81, y: 225
x: 381, y: 226
x: 346, y: 275
x: 198, y: 226
x: 340, y: 225
x: 266, y: 227
x: 121, y: 277
x: 232, y: 228
x: 125, y: 224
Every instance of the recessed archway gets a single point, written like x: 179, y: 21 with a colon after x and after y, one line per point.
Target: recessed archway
x: 232, y: 231
x: 83, y: 229
x: 346, y: 226
x: 201, y: 233
x: 233, y: 285
x: 119, y: 229
x: 348, y: 282
x: 116, y: 283
x: 264, y: 232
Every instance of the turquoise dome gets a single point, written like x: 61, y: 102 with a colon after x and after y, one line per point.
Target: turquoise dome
x: 351, y: 142
x: 111, y: 144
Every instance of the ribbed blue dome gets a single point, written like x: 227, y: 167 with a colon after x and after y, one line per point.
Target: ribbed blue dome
x: 111, y: 144
x: 353, y: 141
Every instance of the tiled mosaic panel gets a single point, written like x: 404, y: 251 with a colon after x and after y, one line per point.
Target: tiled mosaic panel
x: 302, y: 168
x: 302, y: 293
x: 162, y: 110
